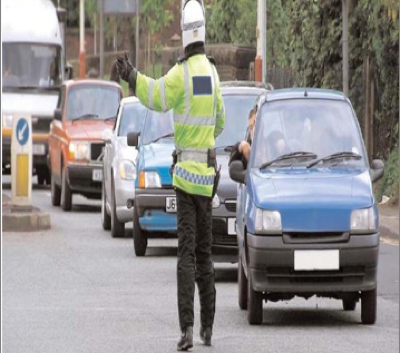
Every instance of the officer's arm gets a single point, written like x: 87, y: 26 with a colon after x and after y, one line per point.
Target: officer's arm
x: 163, y: 94
x: 220, y: 125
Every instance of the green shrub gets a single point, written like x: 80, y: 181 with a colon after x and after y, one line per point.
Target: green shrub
x: 389, y: 184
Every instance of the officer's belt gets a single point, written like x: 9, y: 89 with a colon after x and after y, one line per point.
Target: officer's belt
x: 193, y: 155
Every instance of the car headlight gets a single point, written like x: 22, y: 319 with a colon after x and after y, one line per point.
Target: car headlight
x: 216, y: 202
x: 7, y: 120
x: 268, y: 222
x: 79, y: 151
x: 149, y: 180
x: 127, y: 170
x: 363, y: 221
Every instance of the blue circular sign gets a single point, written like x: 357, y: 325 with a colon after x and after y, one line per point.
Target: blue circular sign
x: 22, y: 131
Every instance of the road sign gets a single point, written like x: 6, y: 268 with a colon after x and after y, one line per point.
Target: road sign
x: 21, y: 160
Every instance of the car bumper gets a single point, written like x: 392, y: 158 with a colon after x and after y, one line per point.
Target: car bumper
x: 124, y: 191
x: 151, y: 208
x: 80, y: 179
x: 39, y: 154
x: 272, y: 266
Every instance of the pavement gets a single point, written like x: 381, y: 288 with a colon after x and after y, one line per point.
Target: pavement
x: 75, y: 289
x: 389, y: 220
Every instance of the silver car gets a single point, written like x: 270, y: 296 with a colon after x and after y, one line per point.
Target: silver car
x: 120, y: 167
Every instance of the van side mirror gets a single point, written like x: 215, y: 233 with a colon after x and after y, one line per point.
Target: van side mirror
x: 58, y: 114
x: 237, y: 172
x: 69, y: 72
x: 377, y: 170
x: 133, y: 139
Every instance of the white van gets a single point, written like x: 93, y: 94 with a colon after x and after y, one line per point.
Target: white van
x: 32, y: 73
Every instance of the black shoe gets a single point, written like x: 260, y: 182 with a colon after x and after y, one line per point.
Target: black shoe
x: 205, y: 335
x: 186, y: 341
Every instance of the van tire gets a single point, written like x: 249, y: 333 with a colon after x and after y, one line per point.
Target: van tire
x: 117, y: 228
x: 55, y: 193
x: 254, y: 303
x: 66, y: 193
x: 139, y: 237
x: 369, y: 307
x: 105, y: 217
x: 242, y: 285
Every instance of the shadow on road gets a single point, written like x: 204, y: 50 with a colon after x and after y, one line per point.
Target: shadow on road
x: 86, y: 209
x: 7, y: 186
x: 225, y: 275
x: 159, y: 251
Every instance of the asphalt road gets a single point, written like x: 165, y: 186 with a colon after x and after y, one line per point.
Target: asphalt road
x: 75, y: 289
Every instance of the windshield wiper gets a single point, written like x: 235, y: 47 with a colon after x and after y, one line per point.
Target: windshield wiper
x: 334, y: 156
x: 163, y: 137
x: 292, y: 155
x: 86, y: 116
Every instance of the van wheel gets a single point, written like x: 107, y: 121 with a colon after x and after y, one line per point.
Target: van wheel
x: 369, y: 307
x: 105, y: 218
x: 139, y: 237
x: 55, y: 193
x: 350, y: 303
x: 254, y: 303
x: 66, y: 193
x: 242, y: 284
x: 117, y: 228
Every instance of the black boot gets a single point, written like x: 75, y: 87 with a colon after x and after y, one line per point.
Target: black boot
x: 186, y: 341
x: 206, y: 334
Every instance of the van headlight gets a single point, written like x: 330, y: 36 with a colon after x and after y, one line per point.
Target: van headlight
x: 127, y: 170
x: 7, y: 120
x: 216, y: 202
x: 148, y: 180
x: 363, y: 221
x: 267, y: 222
x: 79, y: 151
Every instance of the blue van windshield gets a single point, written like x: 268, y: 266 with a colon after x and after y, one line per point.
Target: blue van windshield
x: 157, y: 127
x: 321, y: 127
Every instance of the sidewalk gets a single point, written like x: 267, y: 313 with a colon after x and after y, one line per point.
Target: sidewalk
x: 389, y: 220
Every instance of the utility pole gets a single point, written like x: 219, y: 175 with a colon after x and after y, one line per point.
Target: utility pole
x: 82, y: 54
x: 345, y: 40
x: 137, y: 33
x: 101, y: 34
x: 261, y: 59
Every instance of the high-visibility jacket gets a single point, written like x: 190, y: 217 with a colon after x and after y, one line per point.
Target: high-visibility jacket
x: 192, y: 90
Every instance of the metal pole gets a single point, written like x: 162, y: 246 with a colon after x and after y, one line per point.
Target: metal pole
x: 264, y: 40
x: 82, y: 54
x: 258, y: 65
x: 101, y: 34
x: 137, y: 33
x: 345, y: 39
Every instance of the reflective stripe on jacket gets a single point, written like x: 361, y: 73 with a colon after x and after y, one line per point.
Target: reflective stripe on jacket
x: 192, y: 90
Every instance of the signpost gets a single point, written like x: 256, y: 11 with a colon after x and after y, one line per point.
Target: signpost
x: 21, y: 160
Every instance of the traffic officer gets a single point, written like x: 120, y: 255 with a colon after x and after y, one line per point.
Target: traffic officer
x: 192, y: 90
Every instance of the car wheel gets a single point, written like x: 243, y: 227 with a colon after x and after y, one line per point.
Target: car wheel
x: 139, y: 237
x: 105, y: 218
x: 66, y: 193
x: 242, y: 284
x: 55, y: 193
x: 254, y: 303
x: 369, y: 307
x: 350, y: 303
x: 117, y: 228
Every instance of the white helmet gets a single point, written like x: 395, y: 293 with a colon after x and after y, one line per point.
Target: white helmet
x: 193, y: 22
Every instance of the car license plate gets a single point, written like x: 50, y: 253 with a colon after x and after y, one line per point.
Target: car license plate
x: 231, y: 226
x: 38, y: 150
x: 316, y: 260
x: 97, y: 175
x: 170, y: 204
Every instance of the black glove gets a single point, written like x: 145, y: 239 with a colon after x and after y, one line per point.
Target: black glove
x: 124, y: 67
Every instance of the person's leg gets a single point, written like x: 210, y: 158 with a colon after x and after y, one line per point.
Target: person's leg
x: 186, y: 258
x: 204, y: 263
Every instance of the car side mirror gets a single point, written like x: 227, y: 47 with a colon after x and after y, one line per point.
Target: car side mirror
x: 377, y: 170
x: 69, y: 72
x: 58, y: 114
x: 133, y: 139
x: 237, y: 172
x: 106, y: 136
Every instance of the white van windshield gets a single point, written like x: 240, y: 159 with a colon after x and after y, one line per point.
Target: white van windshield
x: 27, y: 65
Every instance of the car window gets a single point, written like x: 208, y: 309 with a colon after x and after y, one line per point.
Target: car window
x: 237, y: 108
x: 132, y: 118
x: 157, y: 126
x: 97, y: 101
x: 322, y: 127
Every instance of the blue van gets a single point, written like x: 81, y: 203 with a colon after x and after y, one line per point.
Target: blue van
x: 307, y: 221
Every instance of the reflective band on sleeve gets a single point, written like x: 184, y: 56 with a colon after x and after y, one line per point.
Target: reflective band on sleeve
x: 195, y: 120
x: 215, y: 89
x: 162, y: 92
x: 194, y: 178
x: 150, y: 101
x: 187, y: 85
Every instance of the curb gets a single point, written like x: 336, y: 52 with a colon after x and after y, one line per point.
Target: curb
x: 28, y: 222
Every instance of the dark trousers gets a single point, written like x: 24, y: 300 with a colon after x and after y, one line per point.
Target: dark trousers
x: 194, y: 258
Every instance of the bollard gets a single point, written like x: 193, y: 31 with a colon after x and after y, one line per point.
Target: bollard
x: 21, y: 161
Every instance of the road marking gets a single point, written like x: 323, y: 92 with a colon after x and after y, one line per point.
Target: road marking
x: 389, y: 241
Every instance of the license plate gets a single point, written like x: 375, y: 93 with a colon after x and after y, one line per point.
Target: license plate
x: 316, y: 260
x: 170, y: 204
x: 38, y: 150
x: 231, y: 226
x: 97, y: 175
